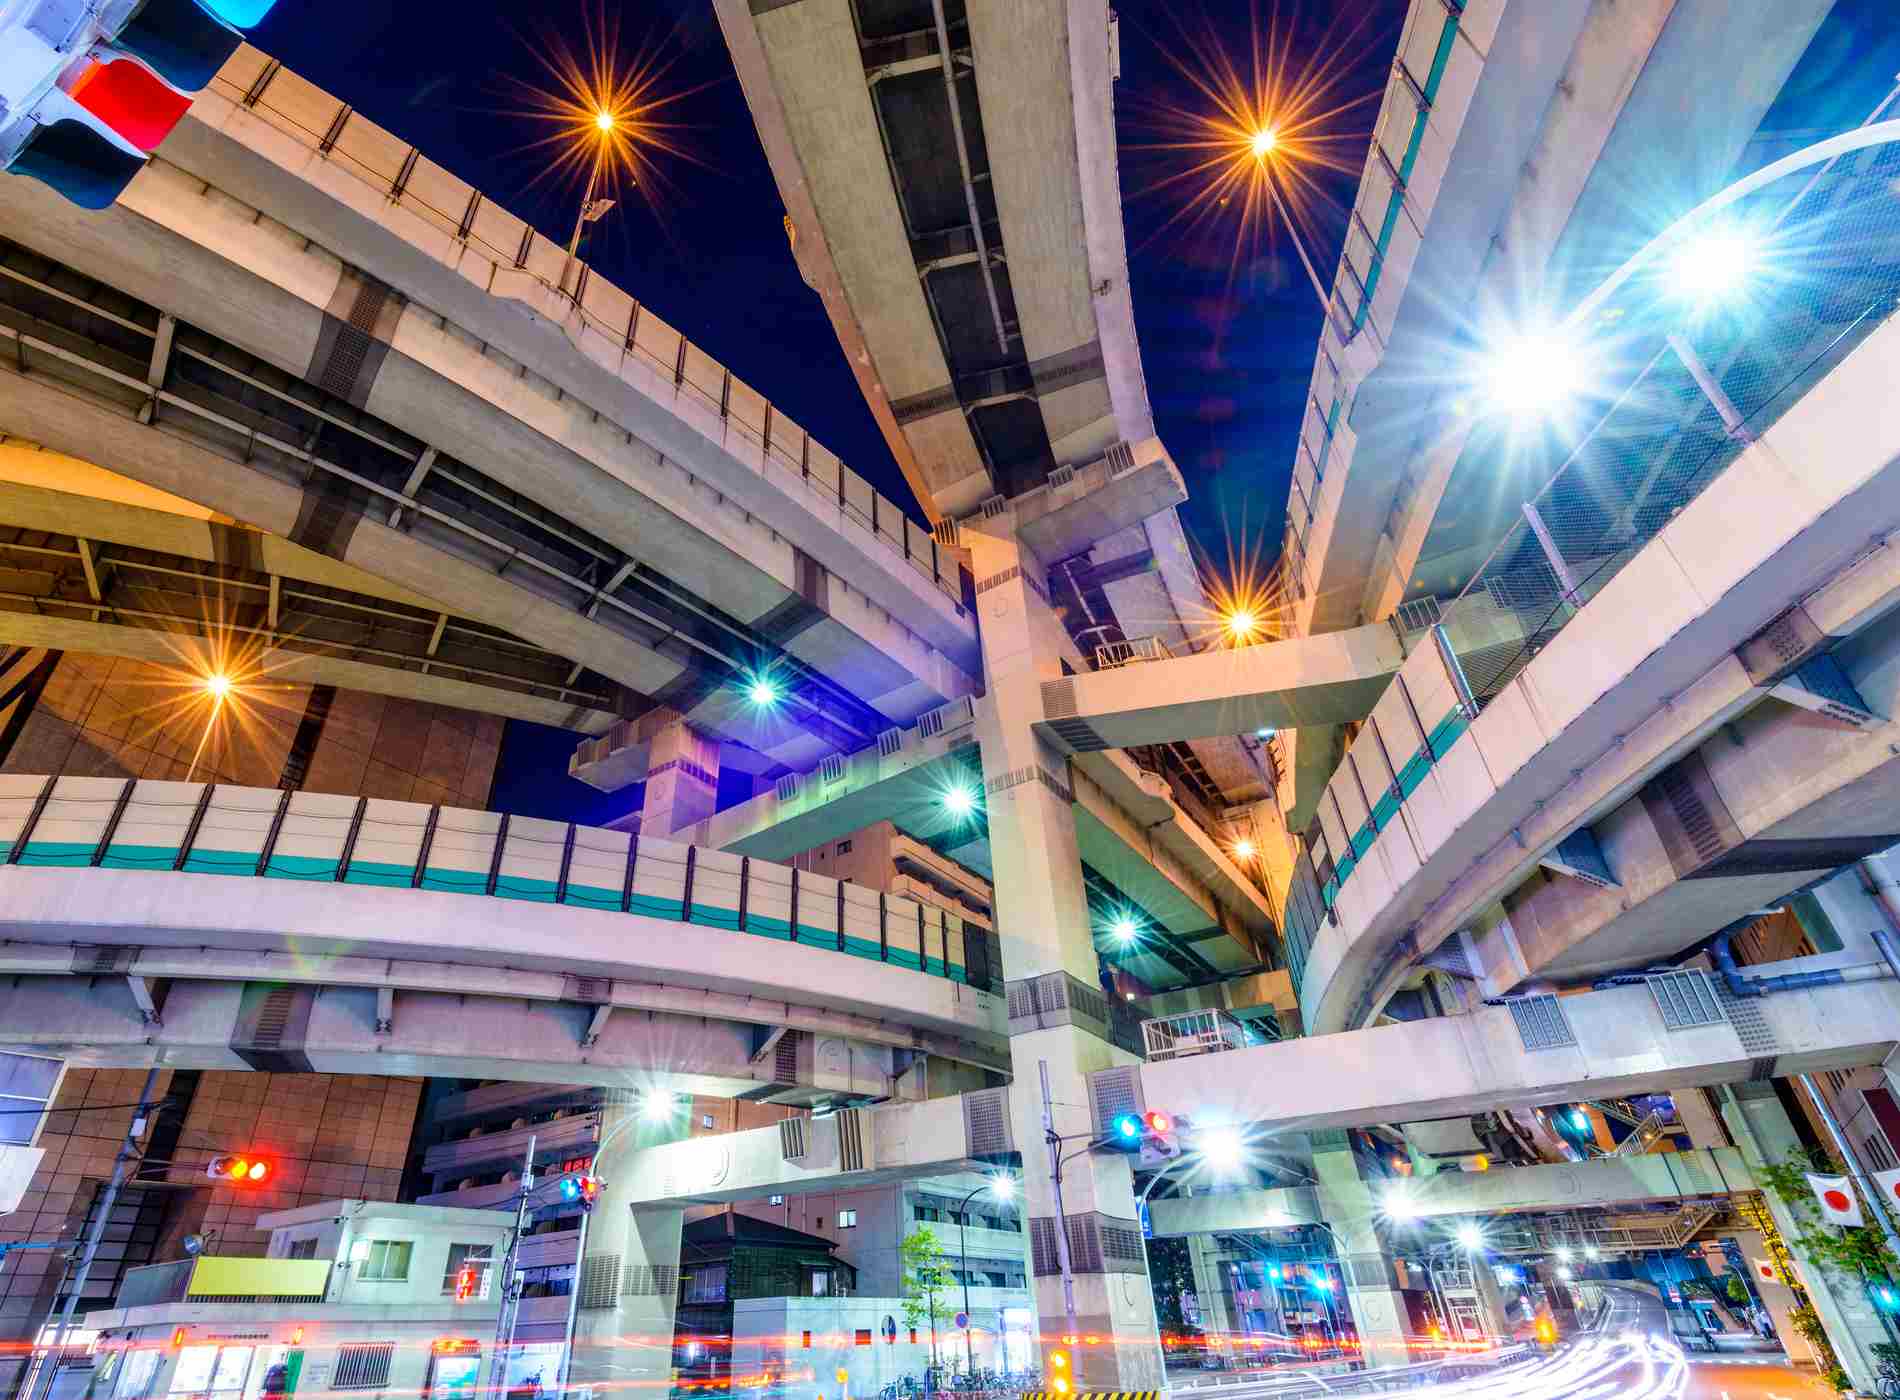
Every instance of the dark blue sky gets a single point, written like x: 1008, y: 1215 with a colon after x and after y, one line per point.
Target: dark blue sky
x: 1227, y: 343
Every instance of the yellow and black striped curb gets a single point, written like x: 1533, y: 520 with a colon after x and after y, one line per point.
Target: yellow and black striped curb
x: 1093, y: 1395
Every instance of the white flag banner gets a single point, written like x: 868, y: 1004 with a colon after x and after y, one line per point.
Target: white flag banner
x: 1839, y: 1204
x: 1765, y: 1271
x: 1888, y: 1185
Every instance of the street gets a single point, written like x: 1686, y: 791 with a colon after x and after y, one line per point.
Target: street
x: 1727, y: 1380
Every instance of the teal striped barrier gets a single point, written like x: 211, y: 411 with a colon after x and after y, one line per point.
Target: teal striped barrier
x: 265, y: 833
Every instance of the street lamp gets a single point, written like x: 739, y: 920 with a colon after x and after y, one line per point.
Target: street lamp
x: 1003, y: 1188
x: 217, y: 686
x: 605, y: 124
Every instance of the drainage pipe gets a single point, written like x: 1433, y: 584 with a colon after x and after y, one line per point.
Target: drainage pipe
x: 1742, y: 986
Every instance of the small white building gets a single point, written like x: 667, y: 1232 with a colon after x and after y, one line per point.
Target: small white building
x: 353, y: 1296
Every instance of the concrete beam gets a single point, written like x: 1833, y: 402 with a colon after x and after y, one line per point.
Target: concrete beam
x: 1594, y: 1185
x: 1458, y: 1065
x: 1277, y: 685
x: 217, y: 926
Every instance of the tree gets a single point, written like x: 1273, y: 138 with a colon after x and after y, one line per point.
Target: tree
x: 921, y: 1259
x: 1737, y: 1290
x: 1172, y: 1271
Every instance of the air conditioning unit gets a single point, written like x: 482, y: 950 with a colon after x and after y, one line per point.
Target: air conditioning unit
x: 947, y: 719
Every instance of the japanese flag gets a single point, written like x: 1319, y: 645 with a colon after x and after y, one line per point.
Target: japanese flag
x: 1839, y: 1205
x: 1888, y: 1185
x: 1765, y: 1271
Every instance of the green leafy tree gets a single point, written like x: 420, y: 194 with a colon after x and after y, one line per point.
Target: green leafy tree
x: 1172, y: 1270
x: 1855, y: 1252
x: 921, y: 1259
x: 1737, y: 1290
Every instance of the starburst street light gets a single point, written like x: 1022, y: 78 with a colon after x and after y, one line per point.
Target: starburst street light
x: 959, y: 800
x: 1124, y: 930
x: 1264, y: 140
x: 763, y: 692
x: 603, y: 120
x: 1244, y: 849
x: 219, y: 688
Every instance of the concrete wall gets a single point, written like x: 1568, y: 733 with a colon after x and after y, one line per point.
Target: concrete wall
x: 101, y: 716
x: 811, y: 1339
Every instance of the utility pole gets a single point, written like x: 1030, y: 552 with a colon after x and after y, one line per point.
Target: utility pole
x: 510, y: 1305
x: 128, y: 1153
x: 1054, y: 1140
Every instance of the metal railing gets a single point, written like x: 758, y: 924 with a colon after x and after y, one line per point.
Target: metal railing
x: 1193, y: 1033
x: 1109, y: 655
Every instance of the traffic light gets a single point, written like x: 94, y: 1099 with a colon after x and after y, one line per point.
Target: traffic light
x: 248, y: 1170
x: 466, y: 1282
x: 580, y: 1189
x: 1061, y: 1381
x: 1131, y: 1132
x: 96, y: 87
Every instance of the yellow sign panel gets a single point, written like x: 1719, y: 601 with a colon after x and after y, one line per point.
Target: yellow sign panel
x: 224, y: 1276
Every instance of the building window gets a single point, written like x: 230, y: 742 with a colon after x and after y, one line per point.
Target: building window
x: 818, y: 1222
x: 706, y: 1284
x: 844, y: 848
x: 302, y: 1249
x: 705, y: 1120
x: 807, y: 1337
x: 775, y: 1200
x: 847, y: 1219
x: 386, y: 1261
x: 863, y: 1337
x: 820, y: 1283
x: 363, y: 1367
x: 479, y: 1257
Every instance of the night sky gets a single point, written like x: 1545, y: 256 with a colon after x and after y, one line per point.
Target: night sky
x: 1227, y: 336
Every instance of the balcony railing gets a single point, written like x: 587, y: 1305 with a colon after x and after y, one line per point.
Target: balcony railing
x: 1129, y: 650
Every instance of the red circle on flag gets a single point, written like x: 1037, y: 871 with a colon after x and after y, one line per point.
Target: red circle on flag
x: 1896, y: 1189
x: 1836, y: 1200
x: 1765, y: 1270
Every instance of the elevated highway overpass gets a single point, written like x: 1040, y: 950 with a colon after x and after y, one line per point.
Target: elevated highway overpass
x: 159, y: 578
x: 626, y: 501
x: 1618, y: 1044
x: 165, y: 913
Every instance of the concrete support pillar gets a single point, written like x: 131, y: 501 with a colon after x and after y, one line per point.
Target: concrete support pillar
x: 627, y: 1279
x: 1346, y: 1204
x: 1212, y: 1287
x: 682, y: 780
x: 1049, y: 962
x: 1698, y: 1115
x: 1763, y: 1131
x: 1778, y: 1298
x: 1497, y: 1317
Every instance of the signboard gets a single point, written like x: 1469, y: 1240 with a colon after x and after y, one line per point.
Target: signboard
x: 455, y: 1377
x: 963, y: 1322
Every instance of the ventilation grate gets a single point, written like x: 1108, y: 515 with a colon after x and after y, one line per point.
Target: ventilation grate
x: 1058, y: 698
x: 1368, y: 1271
x: 889, y: 742
x: 785, y: 1058
x: 1751, y: 1028
x: 1120, y: 459
x: 1042, y: 1246
x: 273, y: 1019
x: 1115, y: 1091
x: 947, y: 532
x: 787, y: 787
x: 1541, y: 1022
x: 986, y: 1124
x: 650, y: 1281
x: 1698, y: 822
x: 600, y: 1281
x: 994, y: 507
x: 1061, y: 476
x: 929, y: 724
x: 1686, y: 999
x: 791, y: 1138
x: 851, y: 1145
x: 831, y: 770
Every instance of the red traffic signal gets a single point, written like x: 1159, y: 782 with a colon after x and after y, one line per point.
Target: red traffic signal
x: 1157, y: 1122
x: 583, y: 1189
x: 246, y: 1170
x: 466, y: 1282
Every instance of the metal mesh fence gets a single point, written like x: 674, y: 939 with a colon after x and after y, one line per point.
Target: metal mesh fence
x: 1693, y: 387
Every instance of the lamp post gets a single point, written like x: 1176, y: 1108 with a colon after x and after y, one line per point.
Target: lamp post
x: 1002, y: 1188
x: 217, y: 686
x: 604, y: 124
